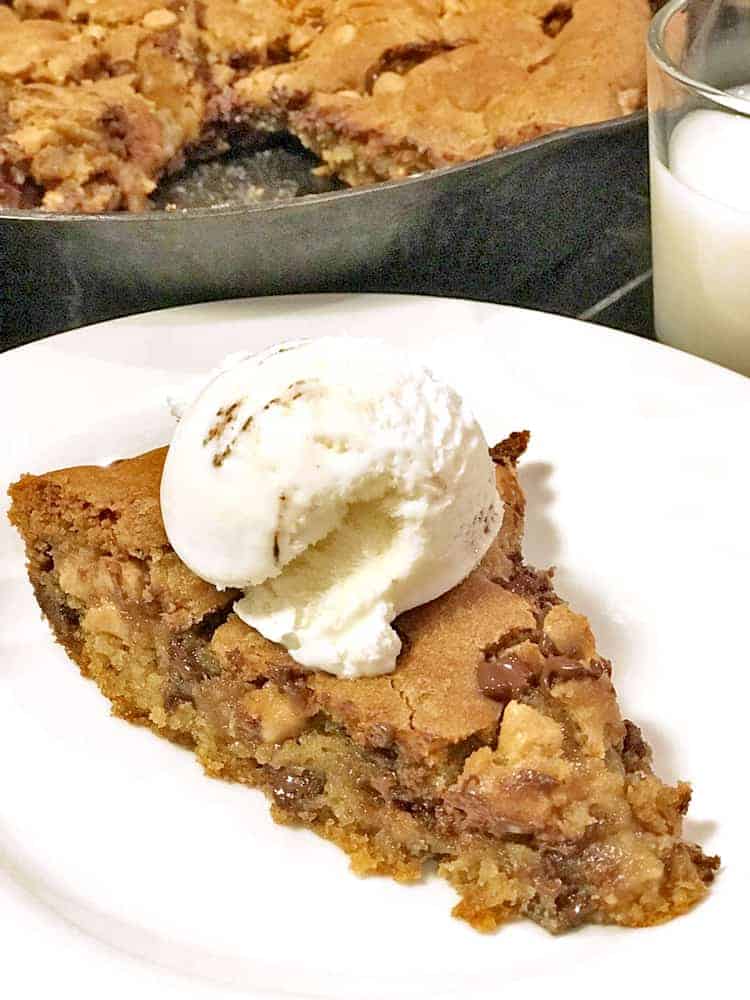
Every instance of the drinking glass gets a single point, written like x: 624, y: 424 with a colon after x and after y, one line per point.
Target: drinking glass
x: 699, y: 137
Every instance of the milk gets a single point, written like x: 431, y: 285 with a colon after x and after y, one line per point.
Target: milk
x: 700, y: 217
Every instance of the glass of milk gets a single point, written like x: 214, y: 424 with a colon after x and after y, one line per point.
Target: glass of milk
x: 699, y: 135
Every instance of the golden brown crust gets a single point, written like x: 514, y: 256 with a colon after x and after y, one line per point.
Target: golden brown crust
x: 446, y: 82
x: 117, y: 505
x: 540, y: 804
x: 102, y: 97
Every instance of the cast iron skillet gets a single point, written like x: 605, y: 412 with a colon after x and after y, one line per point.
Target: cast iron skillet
x: 500, y: 229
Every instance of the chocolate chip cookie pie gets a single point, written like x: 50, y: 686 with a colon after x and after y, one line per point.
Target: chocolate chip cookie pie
x: 99, y: 99
x: 495, y: 750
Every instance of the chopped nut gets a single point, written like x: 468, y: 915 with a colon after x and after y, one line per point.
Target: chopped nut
x: 388, y: 83
x: 528, y: 652
x: 569, y: 633
x: 280, y: 716
x: 595, y: 712
x: 299, y: 38
x: 157, y: 20
x: 87, y: 577
x: 526, y: 734
x: 345, y: 34
x: 106, y: 618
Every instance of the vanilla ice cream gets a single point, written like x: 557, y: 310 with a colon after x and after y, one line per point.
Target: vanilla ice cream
x: 337, y: 484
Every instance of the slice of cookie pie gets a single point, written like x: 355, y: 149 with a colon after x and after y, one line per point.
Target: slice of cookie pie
x: 495, y: 749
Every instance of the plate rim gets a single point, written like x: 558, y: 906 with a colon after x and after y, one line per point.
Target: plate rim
x: 586, y: 327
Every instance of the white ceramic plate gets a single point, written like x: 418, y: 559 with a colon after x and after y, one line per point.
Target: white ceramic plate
x: 124, y: 872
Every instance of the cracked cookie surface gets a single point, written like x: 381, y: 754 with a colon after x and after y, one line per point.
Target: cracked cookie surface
x: 101, y: 98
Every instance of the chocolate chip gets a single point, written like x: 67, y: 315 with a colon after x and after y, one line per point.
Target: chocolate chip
x: 380, y: 735
x: 294, y: 789
x: 63, y: 618
x: 555, y: 19
x: 635, y: 753
x: 415, y: 807
x: 505, y: 677
x: 563, y: 668
x: 535, y: 585
x: 190, y: 659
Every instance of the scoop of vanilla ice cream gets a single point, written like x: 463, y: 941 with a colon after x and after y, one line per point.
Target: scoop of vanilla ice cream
x: 337, y: 484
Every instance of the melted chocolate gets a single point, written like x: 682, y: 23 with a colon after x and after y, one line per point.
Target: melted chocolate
x: 295, y: 789
x: 562, y: 668
x: 505, y: 677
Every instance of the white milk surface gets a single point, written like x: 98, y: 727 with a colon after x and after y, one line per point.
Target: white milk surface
x: 700, y: 217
